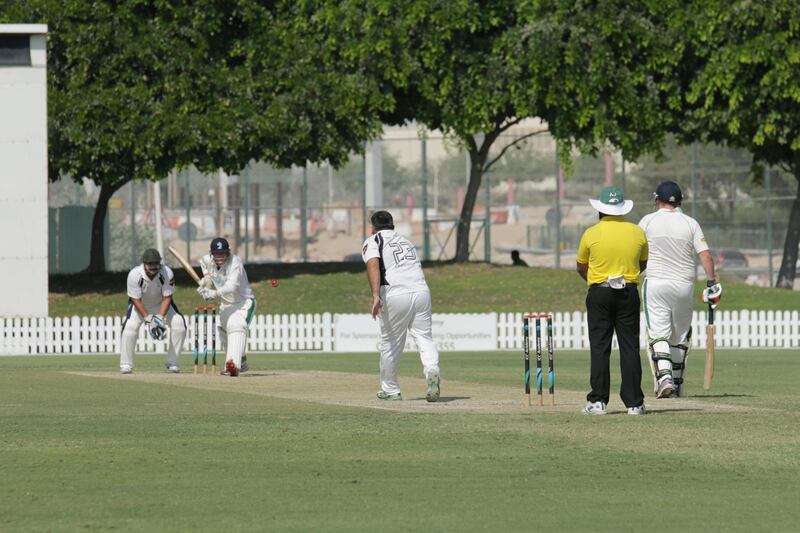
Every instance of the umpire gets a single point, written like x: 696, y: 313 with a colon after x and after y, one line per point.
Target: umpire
x: 611, y: 255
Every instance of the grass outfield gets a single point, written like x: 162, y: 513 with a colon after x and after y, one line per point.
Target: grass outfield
x: 342, y: 288
x: 300, y: 444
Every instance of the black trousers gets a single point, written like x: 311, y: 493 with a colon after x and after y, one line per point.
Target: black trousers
x: 611, y: 310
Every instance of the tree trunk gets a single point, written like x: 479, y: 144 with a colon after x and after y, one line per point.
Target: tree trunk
x: 477, y: 160
x: 97, y: 259
x: 789, y: 262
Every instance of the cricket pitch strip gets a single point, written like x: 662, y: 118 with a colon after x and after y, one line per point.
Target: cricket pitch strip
x: 358, y: 390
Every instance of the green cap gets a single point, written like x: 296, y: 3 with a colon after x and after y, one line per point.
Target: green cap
x: 151, y: 255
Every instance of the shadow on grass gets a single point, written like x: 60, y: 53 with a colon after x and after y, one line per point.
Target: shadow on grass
x: 724, y: 395
x: 675, y: 410
x: 446, y: 399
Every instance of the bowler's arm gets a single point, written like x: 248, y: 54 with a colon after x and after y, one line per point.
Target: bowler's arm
x: 374, y: 278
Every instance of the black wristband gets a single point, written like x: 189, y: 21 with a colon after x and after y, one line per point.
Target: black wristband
x: 711, y: 283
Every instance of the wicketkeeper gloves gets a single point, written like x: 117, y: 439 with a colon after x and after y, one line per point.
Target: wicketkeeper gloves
x: 156, y: 326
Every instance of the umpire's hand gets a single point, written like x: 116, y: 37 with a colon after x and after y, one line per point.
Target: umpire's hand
x: 377, y: 307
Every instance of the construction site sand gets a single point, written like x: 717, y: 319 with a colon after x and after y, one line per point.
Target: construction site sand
x: 358, y: 390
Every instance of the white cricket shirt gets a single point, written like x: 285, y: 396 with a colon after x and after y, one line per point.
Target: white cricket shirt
x: 151, y: 291
x: 401, y: 271
x: 230, y: 280
x: 674, y: 239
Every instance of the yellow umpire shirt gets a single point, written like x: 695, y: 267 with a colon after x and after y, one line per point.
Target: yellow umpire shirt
x: 613, y: 247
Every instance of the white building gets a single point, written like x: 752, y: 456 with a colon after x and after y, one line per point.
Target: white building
x: 23, y: 169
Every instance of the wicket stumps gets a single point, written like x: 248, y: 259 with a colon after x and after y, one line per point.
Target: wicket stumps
x: 201, y: 327
x: 526, y: 346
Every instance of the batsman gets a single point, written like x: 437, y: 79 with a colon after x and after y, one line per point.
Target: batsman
x: 667, y: 296
x: 150, y: 289
x: 224, y: 277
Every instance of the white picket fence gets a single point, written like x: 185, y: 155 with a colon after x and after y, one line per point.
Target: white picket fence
x: 733, y: 329
x: 315, y: 332
x: 82, y: 335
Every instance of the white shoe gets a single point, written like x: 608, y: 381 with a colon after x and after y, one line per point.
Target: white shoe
x: 665, y: 387
x: 125, y: 369
x: 594, y: 408
x: 173, y: 368
x: 637, y: 411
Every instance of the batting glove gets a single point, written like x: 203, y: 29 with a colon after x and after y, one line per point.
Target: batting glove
x: 712, y: 294
x: 206, y: 293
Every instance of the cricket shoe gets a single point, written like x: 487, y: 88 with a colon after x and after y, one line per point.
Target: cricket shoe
x: 594, y: 408
x: 173, y: 369
x: 245, y: 367
x: 389, y: 397
x: 665, y: 387
x: 677, y: 392
x: 432, y: 395
x: 126, y: 369
x: 637, y: 411
x: 230, y: 369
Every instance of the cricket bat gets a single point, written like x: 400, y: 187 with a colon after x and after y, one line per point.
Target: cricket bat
x: 185, y: 264
x: 709, y: 372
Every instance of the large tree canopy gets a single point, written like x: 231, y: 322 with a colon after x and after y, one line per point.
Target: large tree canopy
x: 743, y: 59
x: 139, y: 88
x: 606, y: 72
x: 595, y: 73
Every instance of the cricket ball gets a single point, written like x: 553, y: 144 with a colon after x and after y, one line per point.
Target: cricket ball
x: 274, y: 282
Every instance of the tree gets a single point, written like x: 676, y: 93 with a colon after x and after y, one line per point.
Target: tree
x: 139, y: 88
x: 744, y: 61
x: 594, y: 73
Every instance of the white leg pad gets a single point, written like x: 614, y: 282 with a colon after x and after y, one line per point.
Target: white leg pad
x: 127, y: 344
x: 222, y: 339
x: 177, y: 333
x: 237, y: 341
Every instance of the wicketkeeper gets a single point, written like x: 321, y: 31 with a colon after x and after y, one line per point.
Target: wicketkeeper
x: 224, y: 277
x: 401, y: 301
x: 150, y: 289
x: 674, y: 238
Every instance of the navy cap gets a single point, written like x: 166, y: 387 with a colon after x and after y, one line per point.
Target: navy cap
x: 669, y: 192
x: 220, y: 245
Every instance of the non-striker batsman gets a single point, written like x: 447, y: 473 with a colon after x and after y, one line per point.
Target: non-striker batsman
x: 674, y: 238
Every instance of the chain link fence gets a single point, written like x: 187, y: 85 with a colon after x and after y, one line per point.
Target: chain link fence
x: 526, y: 202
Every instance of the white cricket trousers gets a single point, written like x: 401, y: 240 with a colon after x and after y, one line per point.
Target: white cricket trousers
x: 402, y: 314
x: 130, y: 333
x: 668, y: 313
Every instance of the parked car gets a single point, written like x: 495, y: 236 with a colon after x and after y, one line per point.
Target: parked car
x: 729, y: 259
